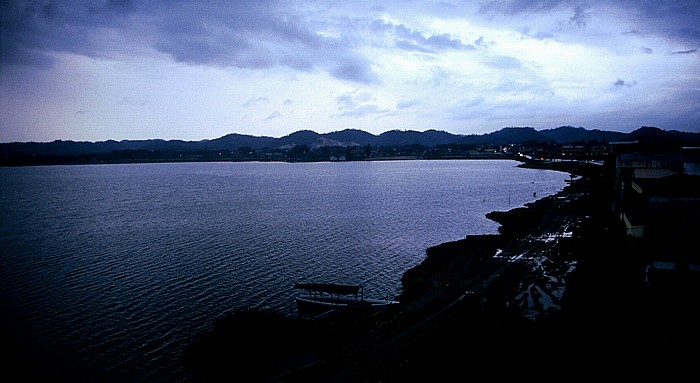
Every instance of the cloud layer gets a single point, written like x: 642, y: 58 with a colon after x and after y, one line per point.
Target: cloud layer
x: 272, y: 67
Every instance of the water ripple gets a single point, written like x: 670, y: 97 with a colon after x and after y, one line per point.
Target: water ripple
x: 111, y: 271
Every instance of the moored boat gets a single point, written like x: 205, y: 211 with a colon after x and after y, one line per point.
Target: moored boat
x: 323, y: 297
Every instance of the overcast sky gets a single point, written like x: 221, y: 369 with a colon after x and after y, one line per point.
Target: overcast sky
x: 193, y: 70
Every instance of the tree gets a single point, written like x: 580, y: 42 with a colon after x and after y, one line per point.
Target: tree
x: 299, y: 151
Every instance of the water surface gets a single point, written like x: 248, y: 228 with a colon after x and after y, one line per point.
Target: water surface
x: 109, y: 271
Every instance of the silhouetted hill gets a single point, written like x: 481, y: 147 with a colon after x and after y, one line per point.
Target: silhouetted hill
x: 169, y: 145
x: 354, y: 137
x: 413, y: 137
x: 301, y: 137
x: 344, y: 138
x: 653, y: 134
x: 514, y: 135
x: 234, y: 141
x: 569, y: 134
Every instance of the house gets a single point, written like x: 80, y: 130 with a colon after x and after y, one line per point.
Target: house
x: 657, y: 198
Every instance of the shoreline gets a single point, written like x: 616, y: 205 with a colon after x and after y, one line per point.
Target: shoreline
x: 556, y: 280
x: 437, y: 283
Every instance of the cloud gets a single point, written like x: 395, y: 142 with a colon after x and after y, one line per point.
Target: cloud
x: 255, y: 101
x: 690, y: 51
x: 259, y: 35
x: 415, y: 64
x: 358, y: 104
x: 580, y: 17
x: 543, y: 35
x: 32, y: 32
x: 521, y: 6
x: 363, y: 110
x: 412, y: 40
x: 250, y: 34
x: 688, y: 34
x: 672, y: 19
x: 467, y: 109
x: 621, y: 83
x: 437, y: 76
x: 407, y: 104
x: 677, y: 20
x: 504, y: 62
x: 354, y: 69
x: 273, y: 116
x: 353, y: 99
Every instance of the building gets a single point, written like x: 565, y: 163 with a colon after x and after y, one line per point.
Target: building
x: 657, y: 198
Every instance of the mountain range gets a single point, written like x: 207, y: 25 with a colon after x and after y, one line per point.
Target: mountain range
x: 349, y: 137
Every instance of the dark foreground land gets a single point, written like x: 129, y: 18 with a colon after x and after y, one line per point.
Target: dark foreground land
x: 558, y: 294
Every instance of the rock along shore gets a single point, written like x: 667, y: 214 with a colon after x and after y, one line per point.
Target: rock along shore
x: 557, y: 291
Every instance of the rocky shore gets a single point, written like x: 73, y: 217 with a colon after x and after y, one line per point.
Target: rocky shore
x: 557, y: 291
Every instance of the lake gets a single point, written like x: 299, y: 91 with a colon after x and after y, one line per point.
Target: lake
x: 108, y: 272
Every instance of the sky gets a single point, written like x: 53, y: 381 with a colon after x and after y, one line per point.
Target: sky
x: 193, y: 70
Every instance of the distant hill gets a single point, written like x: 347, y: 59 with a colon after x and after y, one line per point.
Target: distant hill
x: 348, y: 137
x: 234, y: 141
x: 515, y: 135
x: 569, y: 134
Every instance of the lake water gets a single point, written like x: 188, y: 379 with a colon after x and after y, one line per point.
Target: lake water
x: 108, y: 272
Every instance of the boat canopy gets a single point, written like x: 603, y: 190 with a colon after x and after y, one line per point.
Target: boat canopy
x: 330, y: 288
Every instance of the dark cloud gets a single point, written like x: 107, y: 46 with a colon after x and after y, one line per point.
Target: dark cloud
x: 543, y: 35
x: 620, y: 83
x: 13, y: 53
x: 444, y: 41
x: 32, y: 31
x: 261, y: 35
x: 673, y: 19
x: 687, y: 34
x: 245, y: 34
x: 521, y: 6
x: 248, y: 34
x: 408, y: 39
x: 354, y: 69
x: 690, y: 51
x: 580, y: 17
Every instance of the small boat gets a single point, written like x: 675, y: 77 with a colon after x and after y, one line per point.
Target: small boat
x: 323, y: 297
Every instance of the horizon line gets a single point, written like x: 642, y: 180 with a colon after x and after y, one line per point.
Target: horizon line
x: 342, y: 130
